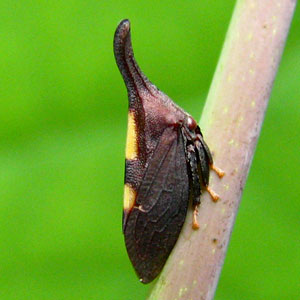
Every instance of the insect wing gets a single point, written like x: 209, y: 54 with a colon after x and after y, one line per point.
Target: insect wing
x: 156, y: 219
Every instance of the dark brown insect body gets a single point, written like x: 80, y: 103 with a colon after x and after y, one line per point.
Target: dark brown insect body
x: 167, y: 162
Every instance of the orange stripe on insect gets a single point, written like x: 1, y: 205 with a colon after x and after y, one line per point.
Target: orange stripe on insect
x: 131, y: 142
x: 129, y: 197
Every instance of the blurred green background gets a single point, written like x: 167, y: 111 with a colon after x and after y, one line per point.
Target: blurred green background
x: 63, y: 118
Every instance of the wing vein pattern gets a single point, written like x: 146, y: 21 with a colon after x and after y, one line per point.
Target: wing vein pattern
x: 163, y: 199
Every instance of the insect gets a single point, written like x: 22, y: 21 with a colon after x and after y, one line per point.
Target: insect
x: 167, y: 163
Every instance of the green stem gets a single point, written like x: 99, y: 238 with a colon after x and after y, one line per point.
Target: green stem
x: 231, y: 122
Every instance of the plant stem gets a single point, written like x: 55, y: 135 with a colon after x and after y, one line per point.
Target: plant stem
x: 231, y: 122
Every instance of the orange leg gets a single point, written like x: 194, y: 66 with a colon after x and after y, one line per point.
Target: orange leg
x: 195, y: 222
x: 219, y: 172
x: 215, y: 197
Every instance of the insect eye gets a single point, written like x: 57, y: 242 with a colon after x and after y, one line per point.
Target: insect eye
x: 191, y: 123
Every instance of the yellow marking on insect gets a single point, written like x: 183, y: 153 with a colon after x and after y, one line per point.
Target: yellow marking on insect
x: 274, y: 31
x: 131, y: 141
x: 253, y: 103
x: 213, y: 251
x: 129, y: 197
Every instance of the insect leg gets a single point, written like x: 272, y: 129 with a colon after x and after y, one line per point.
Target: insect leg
x: 214, y: 196
x: 195, y: 180
x: 219, y: 172
x: 204, y: 163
